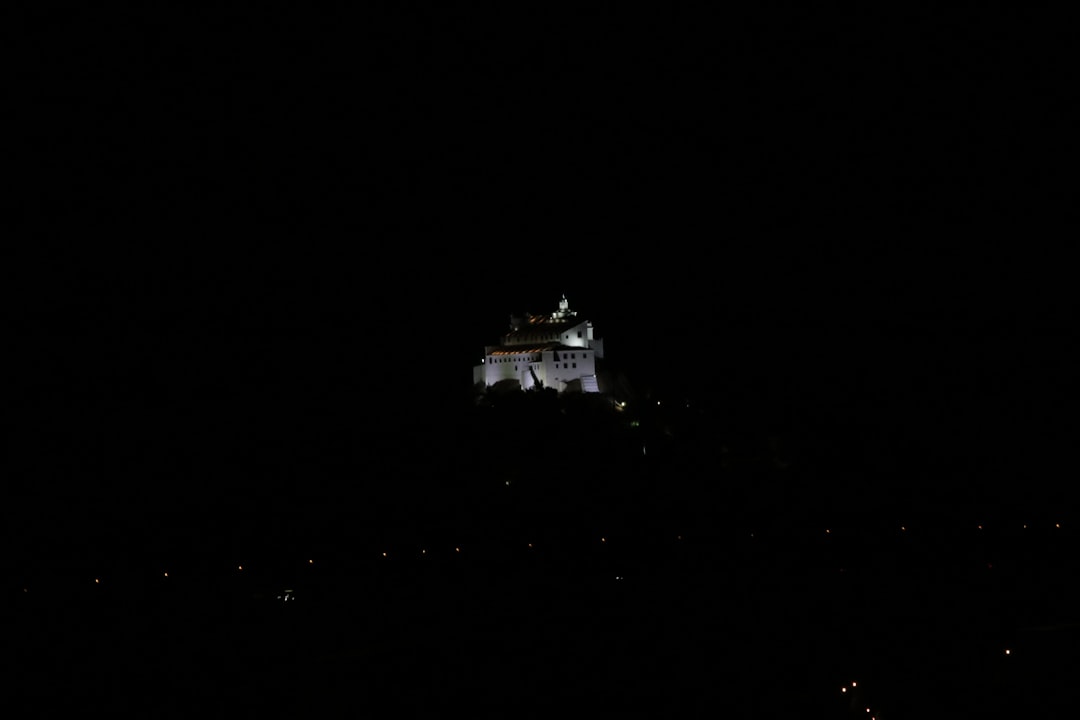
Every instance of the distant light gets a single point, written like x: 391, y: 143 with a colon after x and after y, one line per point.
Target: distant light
x: 384, y: 554
x: 843, y: 689
x: 457, y: 549
x: 96, y: 581
x: 1057, y: 525
x: 310, y: 562
x: 507, y: 482
x: 239, y: 567
x: 1008, y: 651
x: 166, y: 574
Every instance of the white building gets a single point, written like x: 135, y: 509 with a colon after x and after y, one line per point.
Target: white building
x: 557, y: 351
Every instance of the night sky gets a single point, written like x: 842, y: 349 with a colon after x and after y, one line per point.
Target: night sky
x: 225, y: 221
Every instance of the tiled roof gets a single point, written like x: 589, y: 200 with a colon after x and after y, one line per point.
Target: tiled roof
x: 522, y: 349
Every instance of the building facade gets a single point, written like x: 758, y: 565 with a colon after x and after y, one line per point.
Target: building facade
x: 558, y: 351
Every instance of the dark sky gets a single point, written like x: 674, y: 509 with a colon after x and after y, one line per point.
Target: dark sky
x: 862, y: 202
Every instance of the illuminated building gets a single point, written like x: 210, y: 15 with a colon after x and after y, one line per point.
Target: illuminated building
x: 558, y: 351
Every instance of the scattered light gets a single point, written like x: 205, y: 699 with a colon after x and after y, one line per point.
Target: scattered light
x: 980, y: 527
x: 239, y: 567
x: 96, y: 581
x: 310, y: 562
x: 507, y: 482
x: 1008, y: 651
x: 854, y: 684
x: 457, y: 549
x: 530, y: 544
x: 166, y: 574
x: 1057, y: 525
x: 423, y: 551
x: 827, y: 531
x: 603, y: 539
x: 903, y: 529
x: 843, y: 689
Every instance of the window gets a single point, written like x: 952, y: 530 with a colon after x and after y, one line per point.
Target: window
x: 573, y: 364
